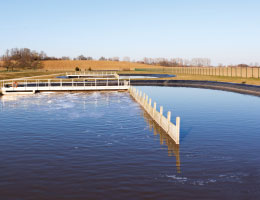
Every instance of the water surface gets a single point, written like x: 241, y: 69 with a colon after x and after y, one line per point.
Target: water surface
x: 102, y: 145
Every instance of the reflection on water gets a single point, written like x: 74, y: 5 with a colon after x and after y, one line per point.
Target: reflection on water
x: 103, y: 146
x: 65, y: 144
x: 12, y: 101
x: 173, y: 148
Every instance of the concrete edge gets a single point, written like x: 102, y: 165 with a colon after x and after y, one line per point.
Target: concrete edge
x: 225, y: 86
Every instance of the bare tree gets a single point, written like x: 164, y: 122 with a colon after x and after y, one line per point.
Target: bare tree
x: 102, y: 58
x: 126, y: 59
x: 22, y: 58
x: 65, y: 58
x: 115, y: 58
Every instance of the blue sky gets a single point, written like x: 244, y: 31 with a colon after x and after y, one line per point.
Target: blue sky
x: 226, y: 31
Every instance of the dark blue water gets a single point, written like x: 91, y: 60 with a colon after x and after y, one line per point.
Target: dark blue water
x: 103, y: 146
x: 133, y: 76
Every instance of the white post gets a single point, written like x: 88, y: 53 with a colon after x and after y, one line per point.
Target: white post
x: 154, y: 108
x: 168, y: 120
x: 178, y: 125
x: 169, y: 116
x: 143, y: 99
x: 146, y: 102
x: 95, y: 82
x: 161, y: 114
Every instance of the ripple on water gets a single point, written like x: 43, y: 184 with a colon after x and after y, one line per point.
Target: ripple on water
x: 99, y: 145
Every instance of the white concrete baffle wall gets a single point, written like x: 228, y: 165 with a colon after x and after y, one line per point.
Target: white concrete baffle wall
x: 173, y: 130
x: 91, y: 84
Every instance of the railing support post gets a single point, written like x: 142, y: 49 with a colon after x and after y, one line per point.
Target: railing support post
x: 178, y: 125
x: 154, y: 108
x: 161, y: 114
x: 168, y: 120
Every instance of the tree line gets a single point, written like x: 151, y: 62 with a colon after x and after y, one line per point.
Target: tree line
x: 177, y: 62
x: 21, y: 59
x: 24, y: 58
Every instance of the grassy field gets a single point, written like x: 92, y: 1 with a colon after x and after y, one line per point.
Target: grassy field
x: 59, y: 66
x: 180, y: 76
x: 13, y: 75
x: 70, y: 65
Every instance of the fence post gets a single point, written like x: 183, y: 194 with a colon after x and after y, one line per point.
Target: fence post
x: 140, y: 96
x: 136, y: 93
x: 227, y: 71
x: 154, y: 108
x: 168, y: 120
x: 146, y: 101
x: 143, y: 99
x: 178, y: 123
x: 161, y: 114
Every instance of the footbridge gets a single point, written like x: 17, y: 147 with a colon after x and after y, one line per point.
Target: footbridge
x: 27, y: 86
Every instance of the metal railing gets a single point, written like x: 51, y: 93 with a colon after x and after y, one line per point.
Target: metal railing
x: 91, y: 74
x: 62, y: 84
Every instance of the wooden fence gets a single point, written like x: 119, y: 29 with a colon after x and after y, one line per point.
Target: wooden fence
x: 241, y: 72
